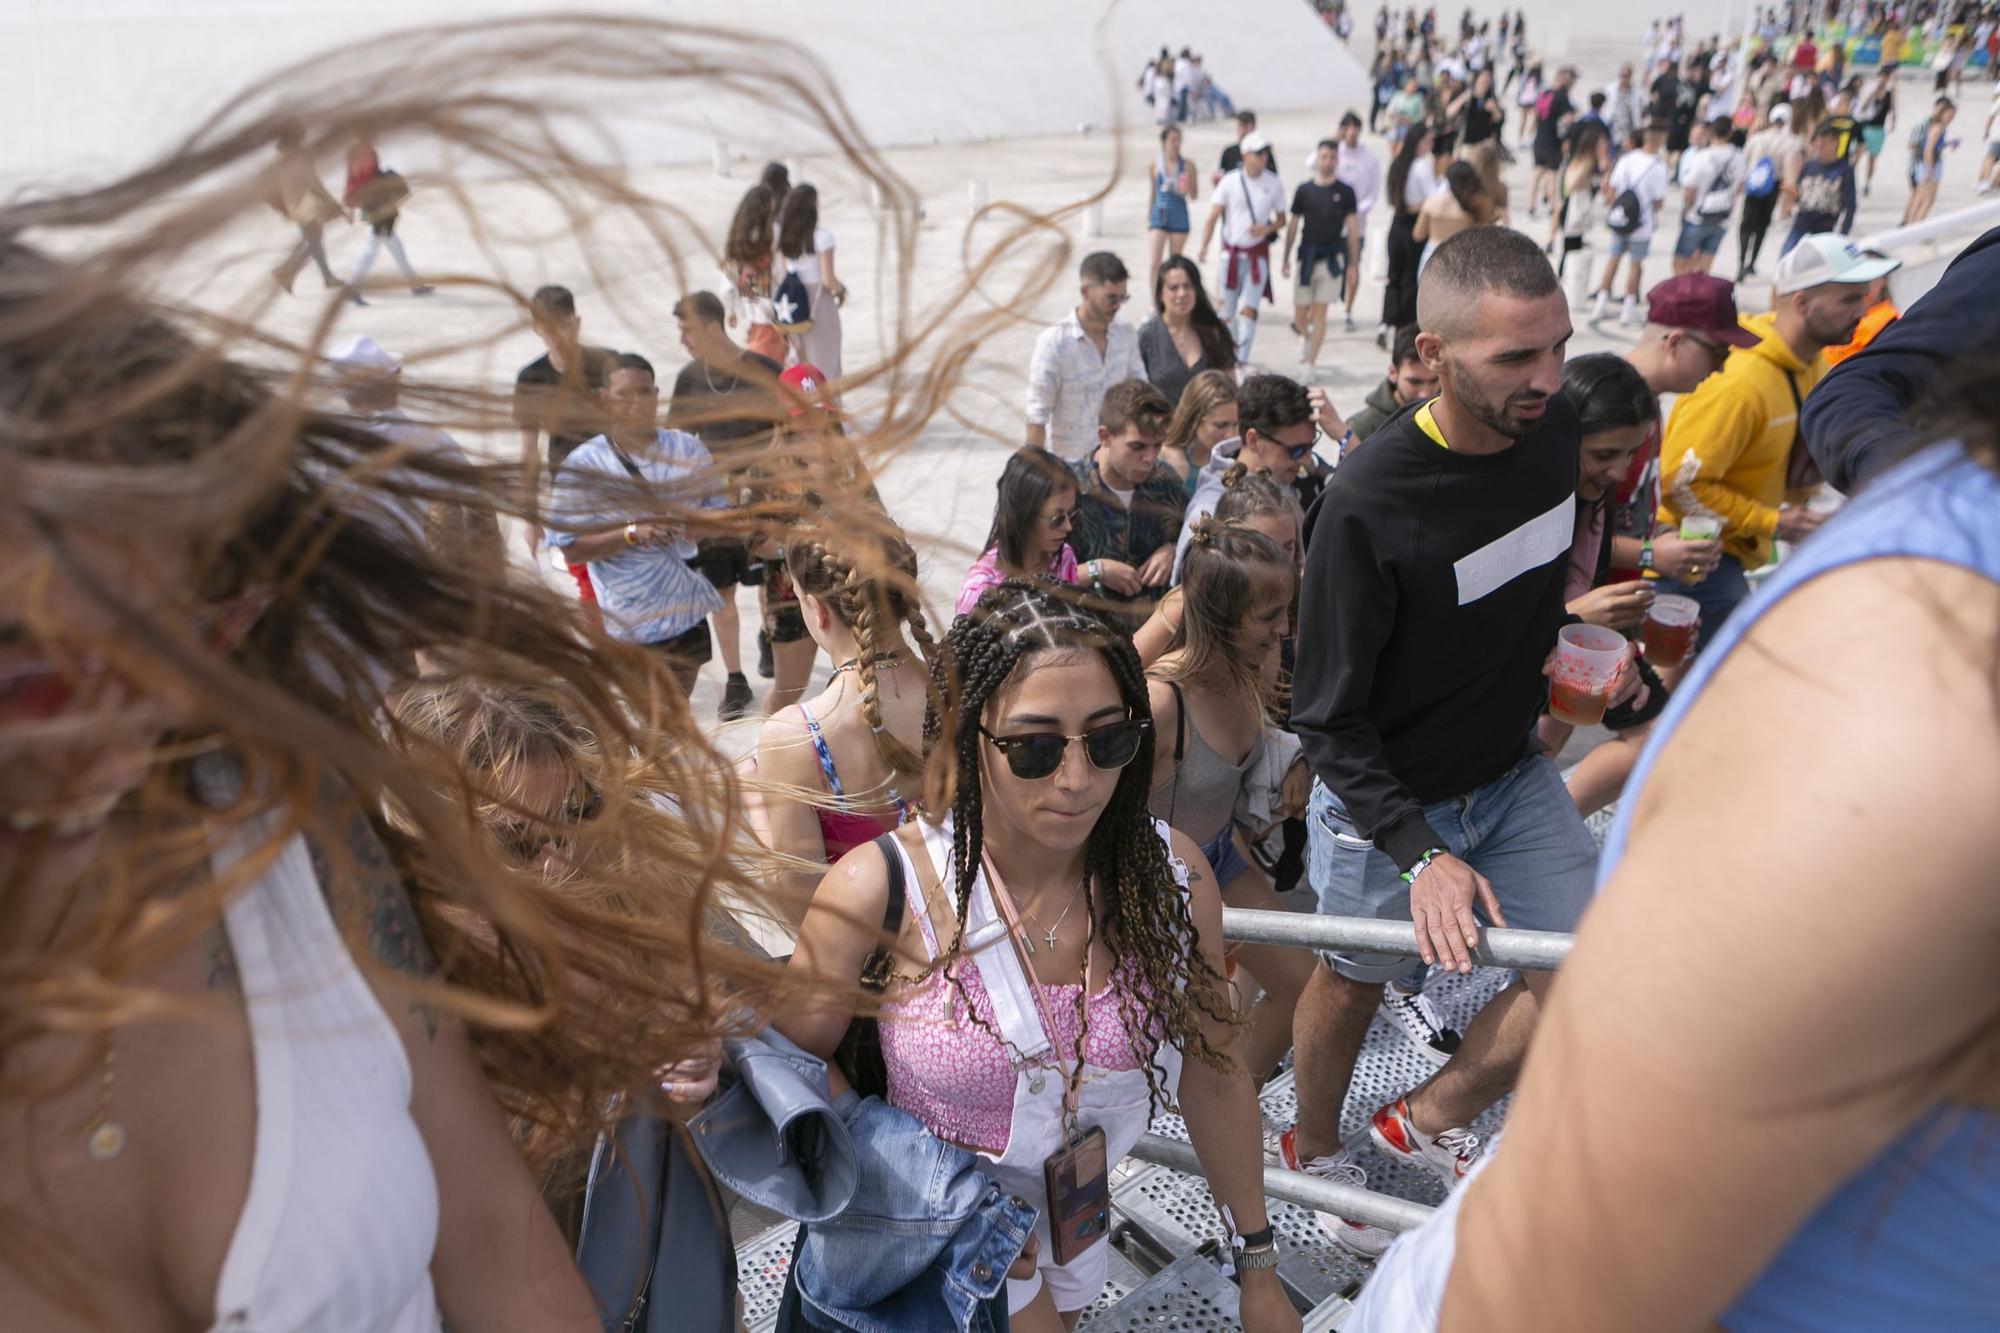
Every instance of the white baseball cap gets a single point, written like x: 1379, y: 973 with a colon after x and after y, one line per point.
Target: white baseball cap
x: 1781, y: 114
x: 1255, y: 142
x: 1828, y: 257
x: 361, y: 357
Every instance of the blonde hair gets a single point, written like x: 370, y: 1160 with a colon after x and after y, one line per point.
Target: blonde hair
x: 1203, y: 394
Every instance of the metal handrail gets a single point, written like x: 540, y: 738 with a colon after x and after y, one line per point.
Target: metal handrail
x: 1539, y: 950
x: 1326, y: 1196
x: 1973, y: 217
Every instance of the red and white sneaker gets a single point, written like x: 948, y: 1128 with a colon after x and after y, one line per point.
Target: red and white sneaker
x: 1357, y: 1238
x: 1451, y: 1154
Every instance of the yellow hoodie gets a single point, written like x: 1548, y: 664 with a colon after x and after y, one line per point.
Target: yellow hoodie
x: 1727, y: 443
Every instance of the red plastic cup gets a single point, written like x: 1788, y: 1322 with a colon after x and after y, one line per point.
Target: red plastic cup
x: 1587, y: 657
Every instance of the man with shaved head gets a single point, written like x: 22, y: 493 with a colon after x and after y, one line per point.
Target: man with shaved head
x: 1434, y: 580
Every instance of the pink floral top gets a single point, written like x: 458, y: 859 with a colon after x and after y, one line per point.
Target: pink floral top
x: 949, y: 1069
x: 985, y: 573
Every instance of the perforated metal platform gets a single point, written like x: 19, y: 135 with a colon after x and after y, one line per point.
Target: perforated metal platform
x: 761, y: 1267
x: 1177, y: 1213
x: 1190, y: 1295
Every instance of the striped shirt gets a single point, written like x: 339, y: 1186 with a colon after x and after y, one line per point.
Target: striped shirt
x: 648, y: 594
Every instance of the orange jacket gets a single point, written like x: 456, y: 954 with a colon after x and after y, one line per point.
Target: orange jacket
x: 1878, y: 318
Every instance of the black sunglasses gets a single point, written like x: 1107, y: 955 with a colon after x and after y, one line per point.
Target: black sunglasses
x: 1298, y: 451
x: 1039, y: 754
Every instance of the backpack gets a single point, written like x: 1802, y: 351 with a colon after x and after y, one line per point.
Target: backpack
x: 1763, y: 180
x: 791, y: 305
x: 1627, y: 213
x: 1714, y: 205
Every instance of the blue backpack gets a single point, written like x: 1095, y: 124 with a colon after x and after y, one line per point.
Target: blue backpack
x: 1763, y: 179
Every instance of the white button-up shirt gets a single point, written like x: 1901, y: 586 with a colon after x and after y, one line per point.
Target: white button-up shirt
x: 1067, y: 379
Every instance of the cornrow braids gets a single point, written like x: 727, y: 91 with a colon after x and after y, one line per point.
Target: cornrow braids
x: 1129, y: 873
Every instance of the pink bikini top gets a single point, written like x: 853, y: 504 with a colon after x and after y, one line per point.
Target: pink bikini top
x: 946, y: 1063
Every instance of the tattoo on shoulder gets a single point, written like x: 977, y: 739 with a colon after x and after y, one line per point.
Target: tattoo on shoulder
x: 366, y: 893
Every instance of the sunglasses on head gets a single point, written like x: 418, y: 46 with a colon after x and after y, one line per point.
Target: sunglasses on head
x: 1038, y: 754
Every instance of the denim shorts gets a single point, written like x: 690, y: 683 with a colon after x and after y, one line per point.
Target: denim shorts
x: 1223, y: 858
x: 1699, y: 238
x: 1521, y: 830
x: 1636, y: 246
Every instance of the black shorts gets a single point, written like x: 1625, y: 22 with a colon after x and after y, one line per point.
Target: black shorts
x: 687, y: 650
x: 1549, y: 157
x: 725, y: 562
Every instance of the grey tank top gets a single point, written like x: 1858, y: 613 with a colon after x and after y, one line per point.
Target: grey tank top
x: 1200, y: 798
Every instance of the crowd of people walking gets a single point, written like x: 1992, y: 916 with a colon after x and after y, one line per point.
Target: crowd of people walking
x: 388, y: 946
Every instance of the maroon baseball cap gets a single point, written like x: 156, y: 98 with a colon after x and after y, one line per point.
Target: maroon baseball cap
x: 1700, y: 303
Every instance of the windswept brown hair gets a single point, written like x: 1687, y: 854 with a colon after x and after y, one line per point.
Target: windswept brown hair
x: 1229, y: 570
x: 1203, y: 394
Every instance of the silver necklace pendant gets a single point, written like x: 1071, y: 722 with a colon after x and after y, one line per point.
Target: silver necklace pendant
x: 1051, y: 937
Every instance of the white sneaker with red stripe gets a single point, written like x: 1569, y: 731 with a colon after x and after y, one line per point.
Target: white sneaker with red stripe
x: 1357, y: 1238
x: 1450, y: 1154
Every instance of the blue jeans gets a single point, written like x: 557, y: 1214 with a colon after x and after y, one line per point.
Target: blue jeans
x: 1725, y: 589
x: 1521, y: 831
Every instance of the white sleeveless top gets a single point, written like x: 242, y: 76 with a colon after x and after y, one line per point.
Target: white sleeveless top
x: 341, y: 1219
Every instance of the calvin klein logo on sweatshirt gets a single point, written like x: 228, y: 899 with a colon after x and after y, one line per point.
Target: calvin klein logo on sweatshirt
x: 1530, y: 546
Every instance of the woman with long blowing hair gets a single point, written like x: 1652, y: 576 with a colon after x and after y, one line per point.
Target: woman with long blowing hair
x: 274, y: 985
x: 807, y: 250
x: 1185, y: 337
x: 1109, y: 962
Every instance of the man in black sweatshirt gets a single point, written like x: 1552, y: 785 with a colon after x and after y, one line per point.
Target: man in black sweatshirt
x: 1433, y: 592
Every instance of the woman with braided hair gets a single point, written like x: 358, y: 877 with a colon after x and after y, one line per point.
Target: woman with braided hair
x: 1213, y: 694
x: 1061, y: 950
x: 839, y: 764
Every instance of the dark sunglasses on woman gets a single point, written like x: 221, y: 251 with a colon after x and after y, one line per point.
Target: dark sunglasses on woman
x: 1038, y: 754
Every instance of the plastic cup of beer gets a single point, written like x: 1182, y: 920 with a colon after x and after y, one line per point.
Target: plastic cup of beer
x: 1700, y: 528
x: 1669, y: 630
x: 1587, y: 657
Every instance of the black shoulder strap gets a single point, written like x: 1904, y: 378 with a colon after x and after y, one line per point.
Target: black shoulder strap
x: 624, y: 458
x: 1180, y: 721
x: 877, y: 964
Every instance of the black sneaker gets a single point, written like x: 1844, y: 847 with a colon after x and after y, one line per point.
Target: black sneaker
x: 1420, y: 1021
x: 736, y: 698
x: 764, y: 667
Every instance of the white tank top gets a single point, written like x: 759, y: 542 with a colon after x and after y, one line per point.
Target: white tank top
x: 341, y: 1219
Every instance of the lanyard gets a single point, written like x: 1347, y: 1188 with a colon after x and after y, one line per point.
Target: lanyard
x: 1003, y: 898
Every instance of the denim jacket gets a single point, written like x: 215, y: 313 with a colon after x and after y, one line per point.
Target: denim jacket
x: 925, y: 1245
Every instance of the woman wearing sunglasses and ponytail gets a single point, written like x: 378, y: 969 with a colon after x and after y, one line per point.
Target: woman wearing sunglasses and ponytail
x: 1213, y: 693
x: 1057, y: 969
x: 1032, y: 518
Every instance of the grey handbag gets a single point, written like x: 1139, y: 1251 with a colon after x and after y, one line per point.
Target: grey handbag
x: 770, y: 1136
x: 649, y: 1201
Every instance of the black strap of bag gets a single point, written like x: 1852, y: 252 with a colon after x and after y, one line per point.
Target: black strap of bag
x: 1801, y: 472
x: 1180, y: 748
x: 859, y: 1055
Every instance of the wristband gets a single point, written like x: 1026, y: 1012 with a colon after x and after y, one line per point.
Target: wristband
x: 1646, y: 555
x: 1256, y: 1240
x: 631, y: 534
x: 1423, y: 864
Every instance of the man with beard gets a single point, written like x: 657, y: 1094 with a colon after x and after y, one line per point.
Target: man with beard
x: 1434, y: 589
x: 1729, y: 446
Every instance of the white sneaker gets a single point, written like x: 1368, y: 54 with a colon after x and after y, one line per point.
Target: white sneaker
x: 1603, y: 301
x: 1630, y: 314
x: 1450, y: 1154
x: 1419, y: 1020
x: 1350, y: 321
x: 1357, y: 1238
x: 1305, y: 353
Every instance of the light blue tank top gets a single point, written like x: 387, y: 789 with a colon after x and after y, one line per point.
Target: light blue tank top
x: 1912, y: 1240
